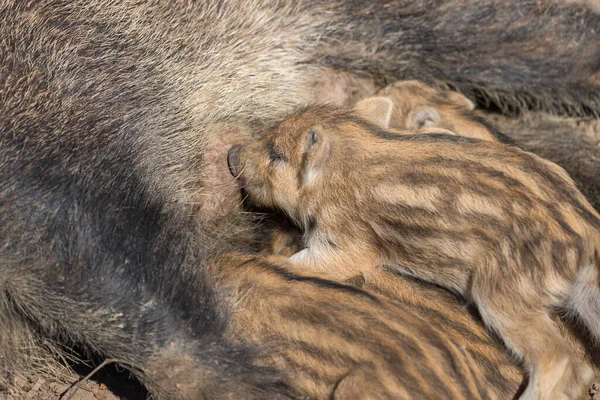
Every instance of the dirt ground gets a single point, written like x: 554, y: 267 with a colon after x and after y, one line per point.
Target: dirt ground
x: 43, y: 390
x: 114, y: 382
x: 109, y: 383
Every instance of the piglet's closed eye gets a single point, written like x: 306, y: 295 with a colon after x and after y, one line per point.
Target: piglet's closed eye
x: 316, y: 155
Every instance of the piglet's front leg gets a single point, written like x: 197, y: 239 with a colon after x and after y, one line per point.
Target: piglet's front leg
x: 333, y: 263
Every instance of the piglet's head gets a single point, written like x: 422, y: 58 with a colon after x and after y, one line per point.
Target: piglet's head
x: 277, y: 170
x: 295, y: 160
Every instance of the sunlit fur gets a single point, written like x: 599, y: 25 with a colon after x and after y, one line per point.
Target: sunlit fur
x: 335, y: 341
x: 113, y: 187
x: 504, y: 228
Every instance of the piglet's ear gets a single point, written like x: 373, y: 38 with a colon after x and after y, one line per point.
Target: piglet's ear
x: 377, y: 110
x: 318, y: 149
x: 422, y: 117
x: 460, y: 100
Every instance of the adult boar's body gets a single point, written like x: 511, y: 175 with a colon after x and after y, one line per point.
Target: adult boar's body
x: 107, y: 109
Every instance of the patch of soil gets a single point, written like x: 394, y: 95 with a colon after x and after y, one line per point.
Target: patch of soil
x: 42, y: 390
x: 109, y: 383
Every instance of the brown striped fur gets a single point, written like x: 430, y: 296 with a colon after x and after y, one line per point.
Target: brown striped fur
x: 336, y: 341
x: 401, y: 105
x: 412, y: 104
x: 111, y: 120
x: 504, y: 228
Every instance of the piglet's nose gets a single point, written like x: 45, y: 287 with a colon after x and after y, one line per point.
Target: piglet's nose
x: 233, y: 159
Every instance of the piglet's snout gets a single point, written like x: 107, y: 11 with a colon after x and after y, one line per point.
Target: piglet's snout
x: 233, y: 159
